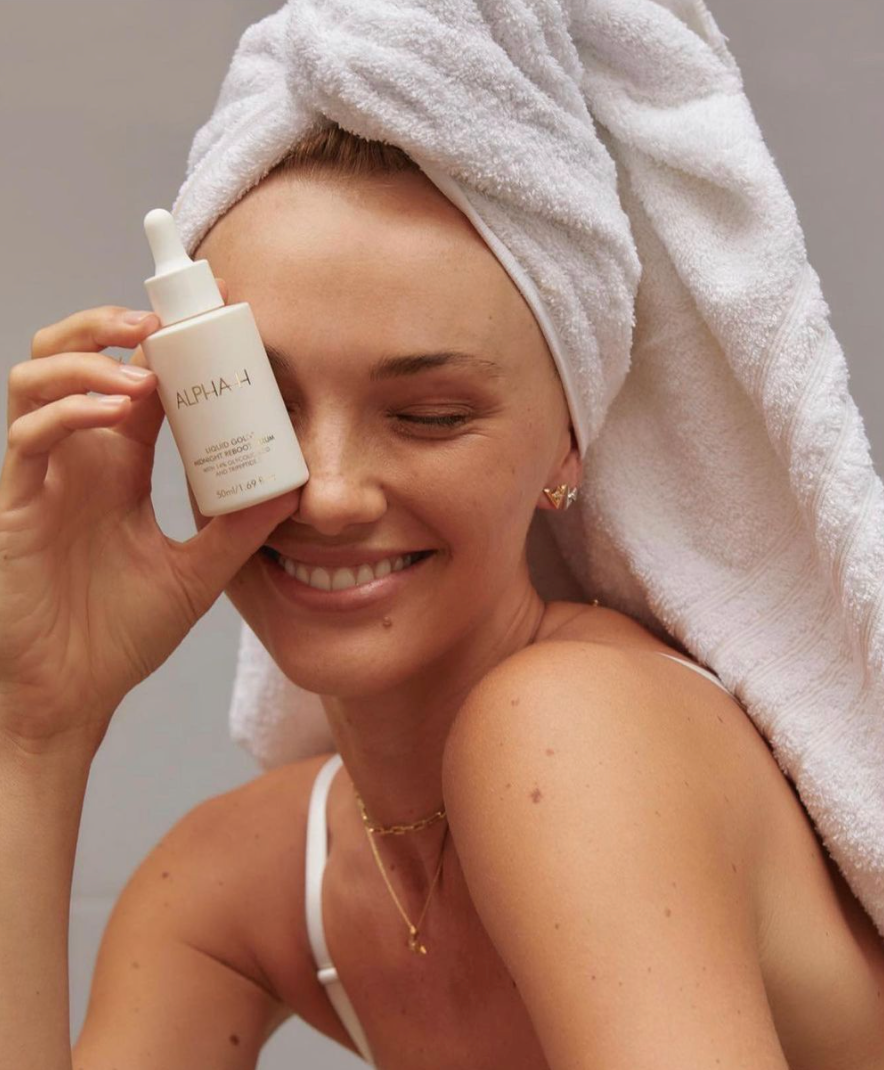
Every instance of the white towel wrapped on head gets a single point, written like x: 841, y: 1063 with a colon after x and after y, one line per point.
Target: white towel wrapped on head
x: 606, y: 151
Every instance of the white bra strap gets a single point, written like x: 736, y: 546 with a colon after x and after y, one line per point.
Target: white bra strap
x: 316, y: 856
x: 317, y: 853
x: 697, y: 668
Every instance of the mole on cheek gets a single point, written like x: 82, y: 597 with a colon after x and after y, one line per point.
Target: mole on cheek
x: 536, y: 795
x: 387, y: 623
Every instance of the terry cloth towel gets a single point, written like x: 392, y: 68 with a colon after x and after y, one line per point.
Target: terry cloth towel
x: 607, y: 153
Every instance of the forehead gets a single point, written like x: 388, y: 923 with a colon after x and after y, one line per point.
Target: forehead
x: 386, y: 255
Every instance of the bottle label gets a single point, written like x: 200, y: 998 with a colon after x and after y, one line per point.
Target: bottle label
x: 227, y: 415
x: 216, y: 388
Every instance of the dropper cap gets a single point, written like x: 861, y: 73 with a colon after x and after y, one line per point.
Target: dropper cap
x: 181, y: 287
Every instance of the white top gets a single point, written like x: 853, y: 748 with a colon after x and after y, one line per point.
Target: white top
x: 317, y: 853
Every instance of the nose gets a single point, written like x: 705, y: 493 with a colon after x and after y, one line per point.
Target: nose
x: 343, y: 489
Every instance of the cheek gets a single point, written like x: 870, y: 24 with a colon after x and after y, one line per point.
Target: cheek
x: 480, y: 500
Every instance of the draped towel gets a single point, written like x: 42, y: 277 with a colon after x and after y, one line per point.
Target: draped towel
x: 607, y: 153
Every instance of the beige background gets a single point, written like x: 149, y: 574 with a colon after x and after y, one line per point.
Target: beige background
x: 99, y: 101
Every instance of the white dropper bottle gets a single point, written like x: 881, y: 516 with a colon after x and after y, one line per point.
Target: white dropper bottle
x: 227, y: 415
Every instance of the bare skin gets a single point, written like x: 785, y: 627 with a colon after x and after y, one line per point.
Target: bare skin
x: 340, y: 275
x: 312, y: 258
x: 826, y: 993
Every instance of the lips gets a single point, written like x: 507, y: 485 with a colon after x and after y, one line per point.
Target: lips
x: 339, y: 578
x: 380, y: 590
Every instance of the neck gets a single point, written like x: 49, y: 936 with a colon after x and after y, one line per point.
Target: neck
x: 392, y: 743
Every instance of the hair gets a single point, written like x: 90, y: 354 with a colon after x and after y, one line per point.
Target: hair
x: 329, y: 148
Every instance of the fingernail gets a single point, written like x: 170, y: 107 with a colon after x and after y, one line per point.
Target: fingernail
x: 136, y: 317
x: 134, y: 372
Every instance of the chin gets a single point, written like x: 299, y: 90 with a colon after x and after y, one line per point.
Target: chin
x: 345, y: 674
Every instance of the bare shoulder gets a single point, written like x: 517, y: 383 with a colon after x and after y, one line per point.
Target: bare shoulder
x: 249, y: 905
x: 596, y: 795
x: 594, y: 657
x: 594, y: 694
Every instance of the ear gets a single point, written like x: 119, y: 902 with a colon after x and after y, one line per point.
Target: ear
x: 568, y: 469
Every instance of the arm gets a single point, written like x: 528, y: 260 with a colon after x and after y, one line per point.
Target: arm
x: 41, y: 801
x: 161, y: 999
x: 177, y: 984
x: 586, y: 804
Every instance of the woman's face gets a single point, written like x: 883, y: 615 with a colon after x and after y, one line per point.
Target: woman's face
x: 352, y: 283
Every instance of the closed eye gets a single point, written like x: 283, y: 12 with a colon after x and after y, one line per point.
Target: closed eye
x: 446, y: 419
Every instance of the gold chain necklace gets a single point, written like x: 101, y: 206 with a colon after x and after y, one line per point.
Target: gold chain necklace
x: 371, y: 827
x: 396, y: 829
x: 413, y: 943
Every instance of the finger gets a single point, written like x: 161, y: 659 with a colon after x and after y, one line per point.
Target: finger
x: 208, y: 561
x: 33, y: 436
x: 92, y: 330
x: 33, y: 383
x: 145, y: 414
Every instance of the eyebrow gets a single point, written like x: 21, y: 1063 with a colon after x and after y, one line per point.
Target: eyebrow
x: 394, y: 367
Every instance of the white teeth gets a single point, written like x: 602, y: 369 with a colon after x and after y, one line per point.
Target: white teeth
x: 342, y: 578
x: 338, y: 579
x: 320, y: 579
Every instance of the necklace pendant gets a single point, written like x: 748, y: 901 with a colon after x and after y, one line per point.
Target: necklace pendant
x: 414, y: 943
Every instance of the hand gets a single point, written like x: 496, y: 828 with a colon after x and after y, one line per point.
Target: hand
x: 93, y: 596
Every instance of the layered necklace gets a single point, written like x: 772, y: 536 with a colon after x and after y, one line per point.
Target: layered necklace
x: 372, y: 829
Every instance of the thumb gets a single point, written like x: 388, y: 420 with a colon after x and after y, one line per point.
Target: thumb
x: 209, y: 560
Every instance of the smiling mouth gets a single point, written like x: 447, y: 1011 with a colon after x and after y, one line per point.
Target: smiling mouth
x: 339, y: 579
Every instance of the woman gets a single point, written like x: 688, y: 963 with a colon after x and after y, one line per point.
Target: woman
x: 585, y: 879
x: 601, y: 892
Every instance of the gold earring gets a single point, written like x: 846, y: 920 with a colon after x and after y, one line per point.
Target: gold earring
x: 561, y: 493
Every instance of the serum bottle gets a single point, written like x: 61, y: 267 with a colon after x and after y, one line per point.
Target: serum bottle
x: 220, y: 395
